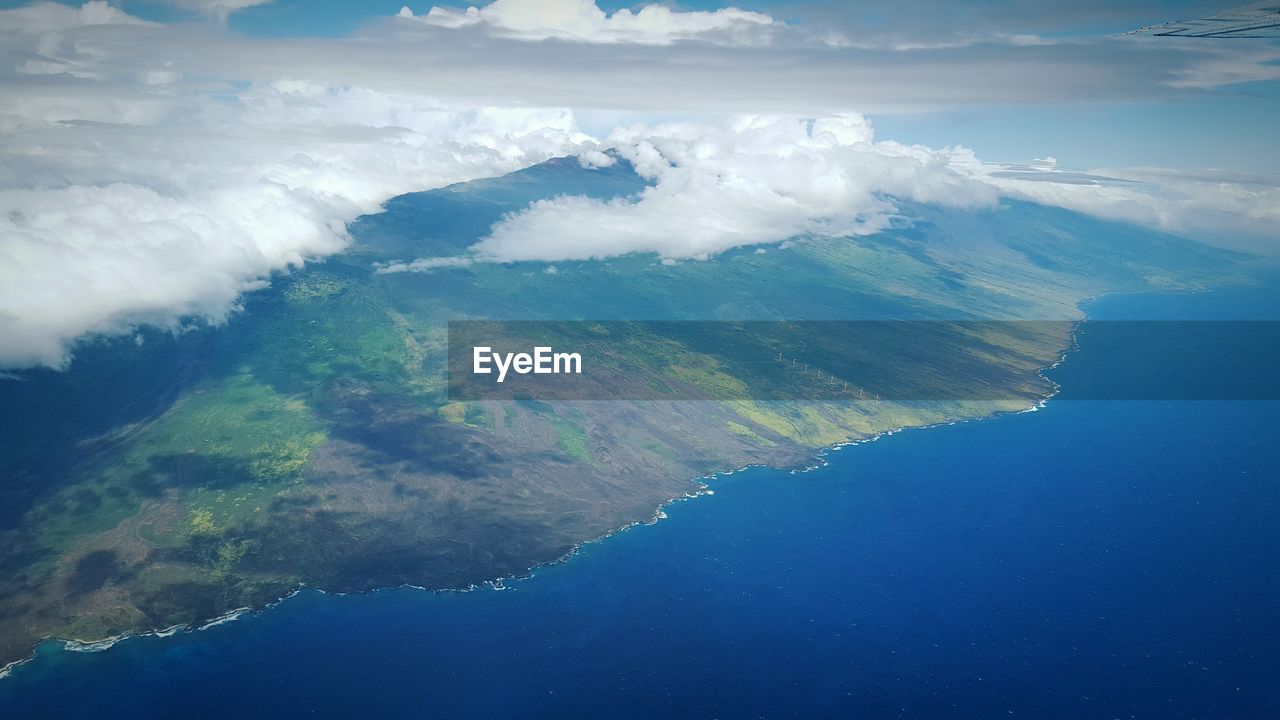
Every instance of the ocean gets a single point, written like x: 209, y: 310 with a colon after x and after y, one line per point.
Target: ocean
x: 1093, y: 559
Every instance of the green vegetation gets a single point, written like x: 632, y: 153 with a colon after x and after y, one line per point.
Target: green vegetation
x: 739, y: 429
x: 228, y: 555
x: 226, y: 448
x: 572, y: 440
x: 310, y: 287
x: 454, y: 412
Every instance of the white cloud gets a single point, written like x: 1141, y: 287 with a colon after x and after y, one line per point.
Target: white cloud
x: 583, y: 20
x: 759, y: 180
x: 126, y: 201
x: 794, y: 72
x: 46, y: 17
x: 426, y: 265
x: 97, y: 258
x: 1227, y: 66
x: 1231, y: 209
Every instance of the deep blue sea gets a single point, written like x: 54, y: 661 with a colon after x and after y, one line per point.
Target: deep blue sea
x: 1095, y: 559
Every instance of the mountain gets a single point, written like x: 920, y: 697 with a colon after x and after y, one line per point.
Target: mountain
x: 171, y: 477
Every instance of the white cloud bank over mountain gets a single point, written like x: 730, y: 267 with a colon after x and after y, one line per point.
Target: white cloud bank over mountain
x: 152, y: 172
x: 758, y: 180
x: 149, y: 224
x: 1240, y: 210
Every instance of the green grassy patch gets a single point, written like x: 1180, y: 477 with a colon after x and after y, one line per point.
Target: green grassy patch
x: 744, y: 431
x: 572, y: 440
x: 227, y: 449
x: 313, y: 286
